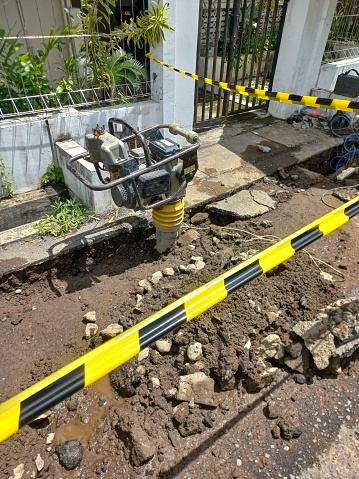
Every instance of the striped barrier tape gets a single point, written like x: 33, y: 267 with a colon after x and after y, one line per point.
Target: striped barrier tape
x: 312, y: 101
x: 32, y: 402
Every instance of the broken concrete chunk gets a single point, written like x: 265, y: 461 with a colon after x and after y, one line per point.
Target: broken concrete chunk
x: 156, y: 277
x: 111, y: 331
x: 168, y: 272
x: 318, y: 340
x: 164, y: 345
x: 146, y: 285
x: 199, y: 387
x: 91, y: 330
x: 245, y: 204
x: 271, y: 347
x: 194, y: 351
x: 89, y: 317
x: 39, y: 463
x: 311, y: 176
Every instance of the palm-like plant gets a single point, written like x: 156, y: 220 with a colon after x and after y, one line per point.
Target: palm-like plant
x: 124, y: 72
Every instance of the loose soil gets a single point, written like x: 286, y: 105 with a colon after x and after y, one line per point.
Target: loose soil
x: 42, y: 330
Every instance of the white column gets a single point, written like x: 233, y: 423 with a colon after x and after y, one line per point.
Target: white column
x: 174, y: 90
x: 305, y: 33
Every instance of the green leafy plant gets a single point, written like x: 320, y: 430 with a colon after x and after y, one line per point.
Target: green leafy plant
x: 6, y: 191
x: 67, y: 216
x: 149, y: 27
x: 122, y: 70
x: 24, y: 74
x: 55, y: 175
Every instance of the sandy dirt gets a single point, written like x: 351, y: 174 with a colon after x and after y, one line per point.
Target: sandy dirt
x: 42, y: 330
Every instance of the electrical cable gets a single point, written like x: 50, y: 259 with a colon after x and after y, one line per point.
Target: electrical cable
x: 350, y: 148
x: 337, y: 188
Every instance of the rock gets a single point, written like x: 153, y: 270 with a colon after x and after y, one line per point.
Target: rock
x: 226, y: 260
x: 266, y: 224
x: 271, y: 347
x: 155, y: 382
x: 194, y: 351
x: 139, y: 298
x: 18, y: 291
x: 42, y: 417
x: 168, y: 272
x: 310, y: 176
x: 270, y: 180
x: 272, y: 316
x: 191, y: 247
x: 275, y: 432
x: 347, y: 194
x: 180, y: 413
x: 304, y: 302
x: 126, y: 379
x: 318, y: 340
x: 282, y: 174
x: 89, y: 317
x: 288, y: 429
x: 146, y: 285
x: 192, y: 425
x: 143, y: 354
x: 136, y: 439
x: 295, y: 350
x: 91, y: 330
x: 245, y: 204
x: 95, y: 342
x: 164, y: 345
x: 182, y: 268
x: 274, y: 409
x: 156, y: 277
x: 265, y: 149
x: 215, y: 241
x: 251, y: 303
x: 300, y: 378
x: 294, y: 177
x: 50, y: 437
x: 257, y: 380
x: 197, y: 386
x: 18, y: 471
x: 194, y: 259
x: 39, y: 463
x: 170, y: 393
x: 199, y: 218
x: 335, y: 366
x: 298, y: 359
x: 191, y: 268
x: 188, y: 237
x: 199, y: 265
x: 70, y: 453
x: 111, y: 331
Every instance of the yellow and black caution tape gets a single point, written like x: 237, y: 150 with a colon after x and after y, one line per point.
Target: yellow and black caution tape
x: 34, y: 401
x: 312, y: 101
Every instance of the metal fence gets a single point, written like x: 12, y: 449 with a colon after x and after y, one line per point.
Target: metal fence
x: 343, y: 40
x: 238, y: 42
x: 46, y: 64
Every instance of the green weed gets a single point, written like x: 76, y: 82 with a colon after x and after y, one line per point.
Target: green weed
x: 6, y: 191
x: 54, y: 176
x: 67, y: 216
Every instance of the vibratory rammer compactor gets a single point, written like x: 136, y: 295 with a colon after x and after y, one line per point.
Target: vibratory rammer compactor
x: 148, y: 171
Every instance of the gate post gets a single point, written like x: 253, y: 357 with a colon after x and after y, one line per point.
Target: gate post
x: 176, y: 92
x: 306, y: 29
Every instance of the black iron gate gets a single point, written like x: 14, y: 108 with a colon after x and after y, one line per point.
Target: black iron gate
x: 238, y: 42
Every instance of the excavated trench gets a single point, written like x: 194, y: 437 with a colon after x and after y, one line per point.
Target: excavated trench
x: 267, y: 416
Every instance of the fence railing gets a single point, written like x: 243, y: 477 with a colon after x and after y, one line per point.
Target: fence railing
x: 343, y: 40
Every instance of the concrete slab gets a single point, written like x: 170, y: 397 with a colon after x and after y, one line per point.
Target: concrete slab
x: 245, y: 204
x: 286, y: 135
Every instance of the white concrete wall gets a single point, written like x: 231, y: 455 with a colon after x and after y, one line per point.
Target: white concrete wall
x: 305, y: 33
x: 329, y: 72
x: 173, y: 90
x: 26, y: 145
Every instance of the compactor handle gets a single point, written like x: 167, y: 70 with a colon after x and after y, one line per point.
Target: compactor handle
x: 190, y: 136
